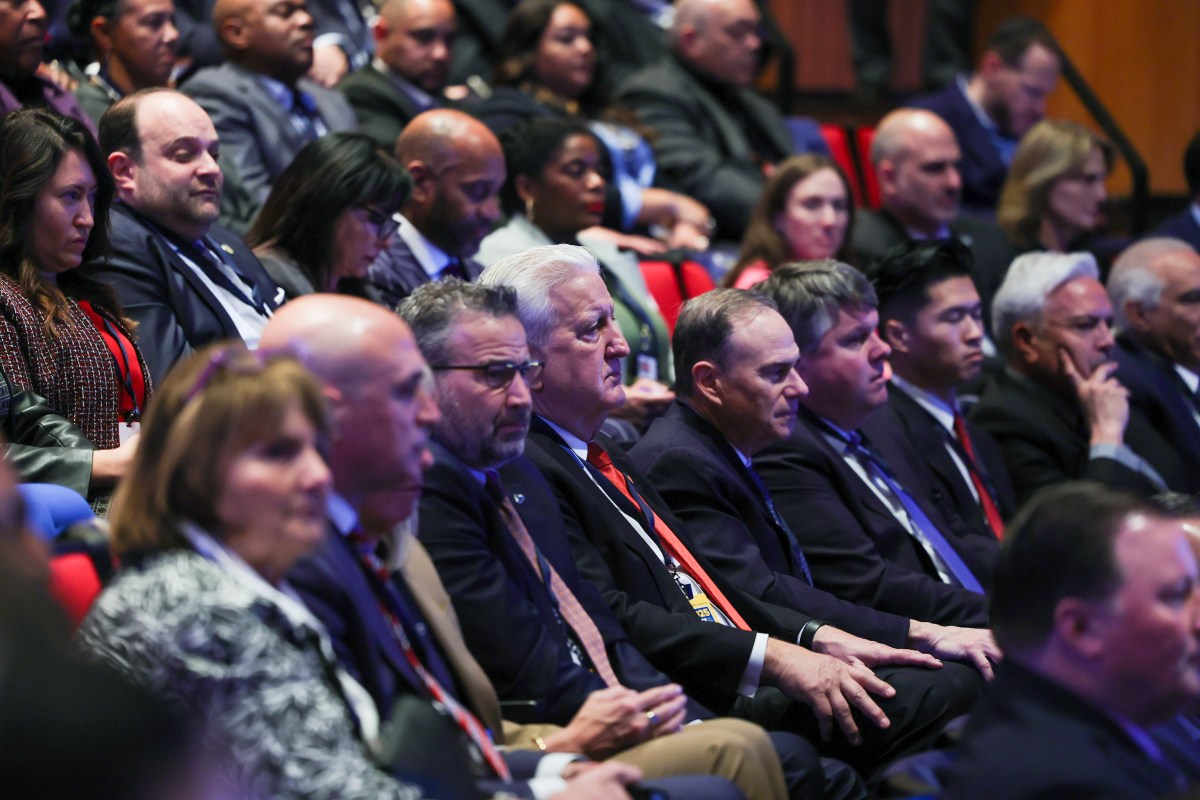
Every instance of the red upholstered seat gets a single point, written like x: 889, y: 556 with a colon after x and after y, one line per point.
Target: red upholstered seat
x: 75, y: 583
x: 664, y: 281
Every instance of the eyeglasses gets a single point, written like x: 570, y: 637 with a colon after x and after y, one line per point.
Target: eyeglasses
x: 499, y: 374
x: 385, y: 224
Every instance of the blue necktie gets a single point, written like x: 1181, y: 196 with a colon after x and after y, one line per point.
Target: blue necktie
x: 923, y: 527
x: 797, y: 553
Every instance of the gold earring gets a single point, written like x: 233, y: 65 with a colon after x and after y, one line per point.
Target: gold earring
x: 529, y: 208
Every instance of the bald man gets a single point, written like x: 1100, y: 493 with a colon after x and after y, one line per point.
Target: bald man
x: 916, y: 158
x: 263, y: 107
x: 414, y: 40
x: 716, y: 137
x: 370, y: 578
x: 457, y: 169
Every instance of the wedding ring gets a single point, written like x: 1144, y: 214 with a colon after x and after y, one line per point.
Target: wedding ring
x: 650, y: 715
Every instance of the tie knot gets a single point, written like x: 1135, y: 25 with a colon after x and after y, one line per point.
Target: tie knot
x: 597, y: 457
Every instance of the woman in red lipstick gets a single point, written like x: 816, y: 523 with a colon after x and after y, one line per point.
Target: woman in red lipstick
x: 554, y: 192
x: 63, y: 334
x: 330, y: 214
x: 547, y: 66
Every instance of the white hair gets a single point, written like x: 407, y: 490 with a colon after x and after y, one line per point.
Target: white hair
x: 1030, y: 280
x: 1134, y: 279
x: 533, y: 273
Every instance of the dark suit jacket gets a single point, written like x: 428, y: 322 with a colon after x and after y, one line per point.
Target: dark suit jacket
x: 507, y: 613
x: 396, y: 273
x: 381, y: 108
x: 707, y: 659
x: 927, y: 438
x: 706, y: 485
x: 1162, y: 428
x: 175, y: 311
x: 855, y: 547
x: 1031, y: 738
x: 982, y: 170
x: 1181, y: 226
x: 702, y: 144
x: 1045, y: 440
x: 876, y: 232
x: 257, y: 134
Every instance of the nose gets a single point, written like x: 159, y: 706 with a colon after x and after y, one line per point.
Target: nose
x: 879, y: 349
x: 1106, y: 340
x: 303, y: 19
x: 170, y: 33
x: 617, y: 346
x: 490, y: 208
x: 795, y: 386
x: 315, y: 472
x: 441, y: 51
x: 595, y: 181
x: 85, y: 217
x: 954, y: 178
x: 519, y: 394
x: 428, y: 413
x: 972, y: 328
x: 36, y: 11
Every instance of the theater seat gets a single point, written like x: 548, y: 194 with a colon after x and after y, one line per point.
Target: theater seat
x: 75, y: 583
x: 838, y: 139
x: 671, y: 284
x: 864, y: 135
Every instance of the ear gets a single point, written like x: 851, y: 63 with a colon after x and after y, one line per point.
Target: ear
x: 885, y: 172
x: 99, y: 29
x: 124, y: 171
x: 1079, y: 627
x: 525, y: 188
x: 706, y: 382
x: 1023, y: 335
x: 895, y: 333
x: 423, y: 180
x: 990, y: 64
x: 379, y: 32
x: 1138, y: 318
x: 337, y: 410
x: 235, y: 33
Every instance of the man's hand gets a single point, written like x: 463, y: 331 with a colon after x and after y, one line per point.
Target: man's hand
x: 601, y: 782
x: 832, y: 688
x: 855, y: 651
x: 329, y: 65
x: 617, y: 718
x: 1104, y: 400
x: 976, y: 645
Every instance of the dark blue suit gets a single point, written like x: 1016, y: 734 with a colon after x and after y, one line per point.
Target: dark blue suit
x: 396, y: 273
x: 1181, y: 226
x: 982, y: 169
x: 174, y: 309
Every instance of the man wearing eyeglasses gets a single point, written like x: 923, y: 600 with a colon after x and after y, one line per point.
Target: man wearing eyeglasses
x: 545, y: 637
x: 457, y: 169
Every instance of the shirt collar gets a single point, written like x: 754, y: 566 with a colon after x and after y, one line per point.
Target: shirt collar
x: 1195, y: 209
x: 578, y: 446
x: 279, y: 91
x: 341, y: 513
x: 432, y: 258
x: 943, y: 413
x: 423, y: 99
x: 976, y: 109
x: 1191, y: 379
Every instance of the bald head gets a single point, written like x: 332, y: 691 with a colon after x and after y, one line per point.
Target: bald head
x: 720, y: 38
x: 457, y: 169
x: 916, y: 160
x: 1155, y: 291
x: 266, y: 36
x: 379, y: 387
x: 415, y: 38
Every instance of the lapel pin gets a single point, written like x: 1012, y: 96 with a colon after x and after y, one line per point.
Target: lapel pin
x: 227, y: 248
x: 518, y: 498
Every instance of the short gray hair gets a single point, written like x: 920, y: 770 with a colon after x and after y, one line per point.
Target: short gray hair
x: 1030, y: 280
x: 433, y: 309
x: 1133, y: 277
x: 810, y: 294
x: 534, y: 273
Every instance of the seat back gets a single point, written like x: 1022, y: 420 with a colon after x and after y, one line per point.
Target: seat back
x: 671, y: 284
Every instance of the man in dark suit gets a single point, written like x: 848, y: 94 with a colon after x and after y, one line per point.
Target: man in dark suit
x: 390, y: 621
x: 414, y: 40
x: 689, y: 619
x: 1057, y: 411
x: 932, y: 317
x: 1186, y: 224
x: 990, y: 110
x: 916, y: 158
x: 185, y: 280
x: 738, y: 392
x: 714, y: 135
x: 457, y: 169
x: 864, y: 513
x: 1155, y: 291
x: 1095, y: 606
x: 263, y: 107
x: 541, y: 632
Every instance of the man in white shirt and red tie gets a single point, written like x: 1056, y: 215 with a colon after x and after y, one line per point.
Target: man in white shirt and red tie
x: 931, y: 315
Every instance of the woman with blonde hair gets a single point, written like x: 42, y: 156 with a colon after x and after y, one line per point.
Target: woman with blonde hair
x: 1055, y: 188
x: 227, y: 491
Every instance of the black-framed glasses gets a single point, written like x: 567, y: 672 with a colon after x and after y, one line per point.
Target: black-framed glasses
x: 499, y: 374
x: 385, y: 224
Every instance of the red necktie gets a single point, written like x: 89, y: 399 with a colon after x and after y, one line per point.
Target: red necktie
x: 990, y: 512
x: 601, y: 461
x: 586, y: 632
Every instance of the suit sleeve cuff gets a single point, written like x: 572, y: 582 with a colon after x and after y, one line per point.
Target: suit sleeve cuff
x: 544, y: 788
x: 1129, y: 459
x: 753, y: 674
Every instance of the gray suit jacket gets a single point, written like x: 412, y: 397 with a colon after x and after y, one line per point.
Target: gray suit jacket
x: 257, y: 134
